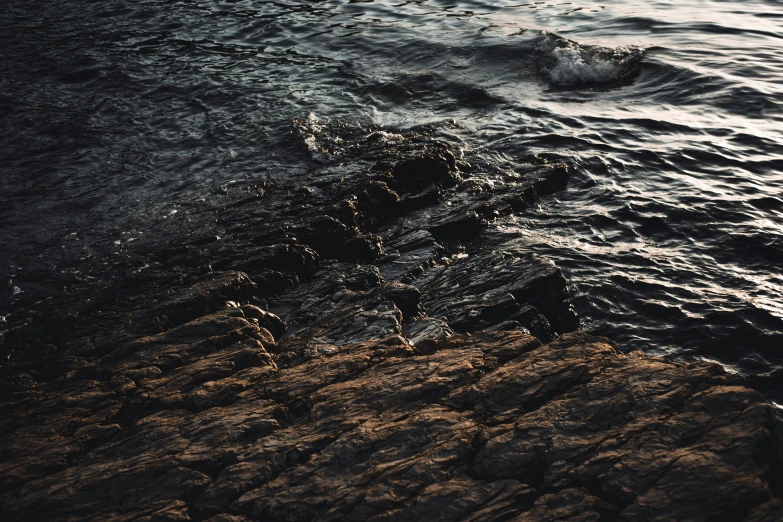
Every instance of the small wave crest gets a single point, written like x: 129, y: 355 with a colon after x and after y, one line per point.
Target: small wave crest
x: 567, y: 63
x: 330, y: 140
x: 321, y: 144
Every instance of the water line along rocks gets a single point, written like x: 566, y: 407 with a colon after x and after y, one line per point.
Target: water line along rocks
x: 358, y: 350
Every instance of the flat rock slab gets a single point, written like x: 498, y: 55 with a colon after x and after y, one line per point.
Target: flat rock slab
x: 493, y: 426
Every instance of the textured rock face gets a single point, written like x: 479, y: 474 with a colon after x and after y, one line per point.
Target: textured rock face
x: 364, y: 353
x: 494, y: 426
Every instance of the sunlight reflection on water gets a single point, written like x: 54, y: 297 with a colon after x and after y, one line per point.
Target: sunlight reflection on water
x: 671, y: 232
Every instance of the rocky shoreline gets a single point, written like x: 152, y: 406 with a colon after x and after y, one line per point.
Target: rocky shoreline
x: 367, y: 346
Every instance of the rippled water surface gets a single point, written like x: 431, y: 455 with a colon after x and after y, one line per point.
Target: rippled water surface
x: 125, y: 124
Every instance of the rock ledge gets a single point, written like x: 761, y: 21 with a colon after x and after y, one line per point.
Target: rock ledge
x: 342, y: 359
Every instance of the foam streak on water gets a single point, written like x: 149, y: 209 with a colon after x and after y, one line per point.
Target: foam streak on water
x: 568, y: 64
x: 141, y: 120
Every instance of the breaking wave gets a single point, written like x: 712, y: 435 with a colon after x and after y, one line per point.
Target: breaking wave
x: 567, y: 64
x: 328, y: 140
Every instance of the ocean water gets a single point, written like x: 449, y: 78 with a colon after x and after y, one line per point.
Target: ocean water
x: 125, y: 125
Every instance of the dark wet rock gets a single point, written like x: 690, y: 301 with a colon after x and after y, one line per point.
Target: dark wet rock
x: 267, y: 320
x: 478, y: 292
x: 463, y: 293
x: 424, y: 199
x: 554, y: 178
x: 426, y: 330
x: 297, y: 259
x: 459, y: 225
x: 375, y: 189
x: 406, y: 297
x: 203, y: 297
x: 409, y: 254
x: 305, y: 366
x: 376, y: 202
x: 273, y: 282
x: 362, y: 278
x: 767, y: 512
x: 325, y: 235
x: 508, y: 325
x: 551, y: 179
x: 338, y: 321
x: 415, y: 174
x: 540, y: 327
x: 366, y: 248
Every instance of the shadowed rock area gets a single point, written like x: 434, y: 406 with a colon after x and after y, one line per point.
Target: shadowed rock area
x: 368, y: 348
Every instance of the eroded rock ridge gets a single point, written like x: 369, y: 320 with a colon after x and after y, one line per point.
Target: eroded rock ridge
x: 354, y: 350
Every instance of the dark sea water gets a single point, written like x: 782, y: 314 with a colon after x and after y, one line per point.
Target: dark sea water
x: 127, y: 124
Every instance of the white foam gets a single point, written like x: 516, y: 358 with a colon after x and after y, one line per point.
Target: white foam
x: 323, y: 141
x: 314, y: 133
x: 316, y: 152
x: 572, y: 69
x: 384, y: 138
x: 567, y: 63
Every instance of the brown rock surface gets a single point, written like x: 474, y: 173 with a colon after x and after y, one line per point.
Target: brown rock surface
x: 267, y: 376
x: 199, y: 422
